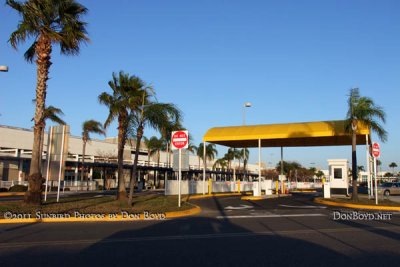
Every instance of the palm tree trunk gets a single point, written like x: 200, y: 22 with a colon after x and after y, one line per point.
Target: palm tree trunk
x: 121, y: 195
x: 354, y: 196
x: 139, y: 136
x: 83, y: 162
x: 35, y: 179
x: 158, y: 166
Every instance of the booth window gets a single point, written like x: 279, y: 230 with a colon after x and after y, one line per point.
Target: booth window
x: 337, y: 173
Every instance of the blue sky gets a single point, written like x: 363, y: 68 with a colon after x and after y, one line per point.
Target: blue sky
x: 295, y: 61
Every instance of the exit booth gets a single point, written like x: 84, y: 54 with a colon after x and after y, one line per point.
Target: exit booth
x: 338, y: 180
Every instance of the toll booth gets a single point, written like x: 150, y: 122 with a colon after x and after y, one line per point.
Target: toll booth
x: 338, y: 176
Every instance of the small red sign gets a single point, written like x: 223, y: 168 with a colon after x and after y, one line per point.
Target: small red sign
x: 180, y: 139
x: 376, y: 150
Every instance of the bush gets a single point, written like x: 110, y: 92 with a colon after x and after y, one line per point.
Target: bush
x: 18, y: 188
x: 2, y: 189
x: 100, y: 187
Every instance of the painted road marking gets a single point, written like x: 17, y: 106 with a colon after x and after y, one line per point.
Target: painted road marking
x: 241, y: 207
x: 271, y: 216
x: 303, y: 207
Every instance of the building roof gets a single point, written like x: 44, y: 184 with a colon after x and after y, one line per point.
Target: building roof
x: 323, y: 133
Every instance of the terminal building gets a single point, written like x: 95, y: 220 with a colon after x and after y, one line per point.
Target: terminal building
x: 100, y: 162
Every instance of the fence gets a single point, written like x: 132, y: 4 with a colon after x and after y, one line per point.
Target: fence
x: 196, y: 187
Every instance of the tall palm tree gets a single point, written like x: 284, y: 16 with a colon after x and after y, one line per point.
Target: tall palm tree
x: 229, y: 156
x: 393, y: 165
x: 88, y: 127
x: 148, y: 113
x: 211, y: 152
x: 124, y: 95
x: 362, y: 110
x: 166, y: 132
x: 222, y: 162
x: 156, y: 145
x: 53, y: 114
x: 48, y: 22
x: 245, y: 153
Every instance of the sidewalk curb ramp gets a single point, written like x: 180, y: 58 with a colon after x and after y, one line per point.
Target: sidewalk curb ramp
x: 355, y: 206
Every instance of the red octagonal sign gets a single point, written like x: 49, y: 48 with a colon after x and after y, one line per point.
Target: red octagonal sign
x: 376, y: 150
x: 180, y: 139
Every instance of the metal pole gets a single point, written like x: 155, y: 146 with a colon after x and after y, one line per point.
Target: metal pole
x: 376, y: 183
x: 61, y: 161
x: 234, y: 169
x: 367, y: 167
x: 49, y: 143
x: 179, y: 177
x: 204, y: 168
x: 244, y: 115
x: 259, y: 167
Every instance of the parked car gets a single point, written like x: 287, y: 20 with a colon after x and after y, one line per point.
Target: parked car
x: 388, y: 189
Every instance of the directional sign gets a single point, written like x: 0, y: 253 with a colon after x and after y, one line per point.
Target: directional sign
x: 180, y: 139
x: 376, y: 150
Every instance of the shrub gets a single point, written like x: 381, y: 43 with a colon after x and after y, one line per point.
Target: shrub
x: 18, y: 188
x: 2, y: 189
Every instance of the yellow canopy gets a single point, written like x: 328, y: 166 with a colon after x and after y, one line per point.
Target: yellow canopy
x: 323, y: 133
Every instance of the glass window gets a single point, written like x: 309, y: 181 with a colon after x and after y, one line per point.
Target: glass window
x: 337, y: 173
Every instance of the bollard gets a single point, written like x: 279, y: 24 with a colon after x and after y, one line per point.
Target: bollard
x: 277, y: 187
x: 209, y: 186
x: 238, y: 183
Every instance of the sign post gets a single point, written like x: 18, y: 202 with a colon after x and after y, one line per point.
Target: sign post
x: 376, y: 152
x: 179, y: 140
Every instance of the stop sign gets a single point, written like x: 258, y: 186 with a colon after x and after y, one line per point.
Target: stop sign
x: 180, y: 139
x: 376, y: 150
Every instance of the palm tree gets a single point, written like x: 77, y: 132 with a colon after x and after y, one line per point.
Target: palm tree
x: 156, y: 145
x: 245, y: 153
x: 362, y: 110
x: 53, y: 114
x: 166, y: 132
x: 211, y: 152
x: 48, y: 22
x: 229, y: 156
x: 393, y: 165
x: 147, y: 112
x: 222, y: 162
x: 124, y: 95
x: 88, y: 127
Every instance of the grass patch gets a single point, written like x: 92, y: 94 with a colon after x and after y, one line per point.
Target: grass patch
x: 99, y: 205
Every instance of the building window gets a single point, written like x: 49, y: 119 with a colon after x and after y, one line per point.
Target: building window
x: 337, y: 173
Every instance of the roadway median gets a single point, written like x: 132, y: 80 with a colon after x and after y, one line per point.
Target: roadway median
x: 97, y: 209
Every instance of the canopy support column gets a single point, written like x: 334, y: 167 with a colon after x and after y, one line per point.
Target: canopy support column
x: 234, y: 169
x: 204, y: 168
x: 370, y: 193
x: 281, y: 160
x: 259, y: 165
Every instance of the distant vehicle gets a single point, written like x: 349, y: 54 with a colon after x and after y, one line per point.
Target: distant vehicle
x: 388, y: 189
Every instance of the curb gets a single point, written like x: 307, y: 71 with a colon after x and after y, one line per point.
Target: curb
x: 264, y: 197
x: 190, y: 197
x: 355, y: 206
x: 304, y: 191
x: 128, y: 217
x: 12, y: 194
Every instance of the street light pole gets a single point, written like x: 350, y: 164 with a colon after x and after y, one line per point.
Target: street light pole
x: 246, y: 105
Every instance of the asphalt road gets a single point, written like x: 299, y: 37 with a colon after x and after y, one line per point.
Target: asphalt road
x: 229, y: 232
